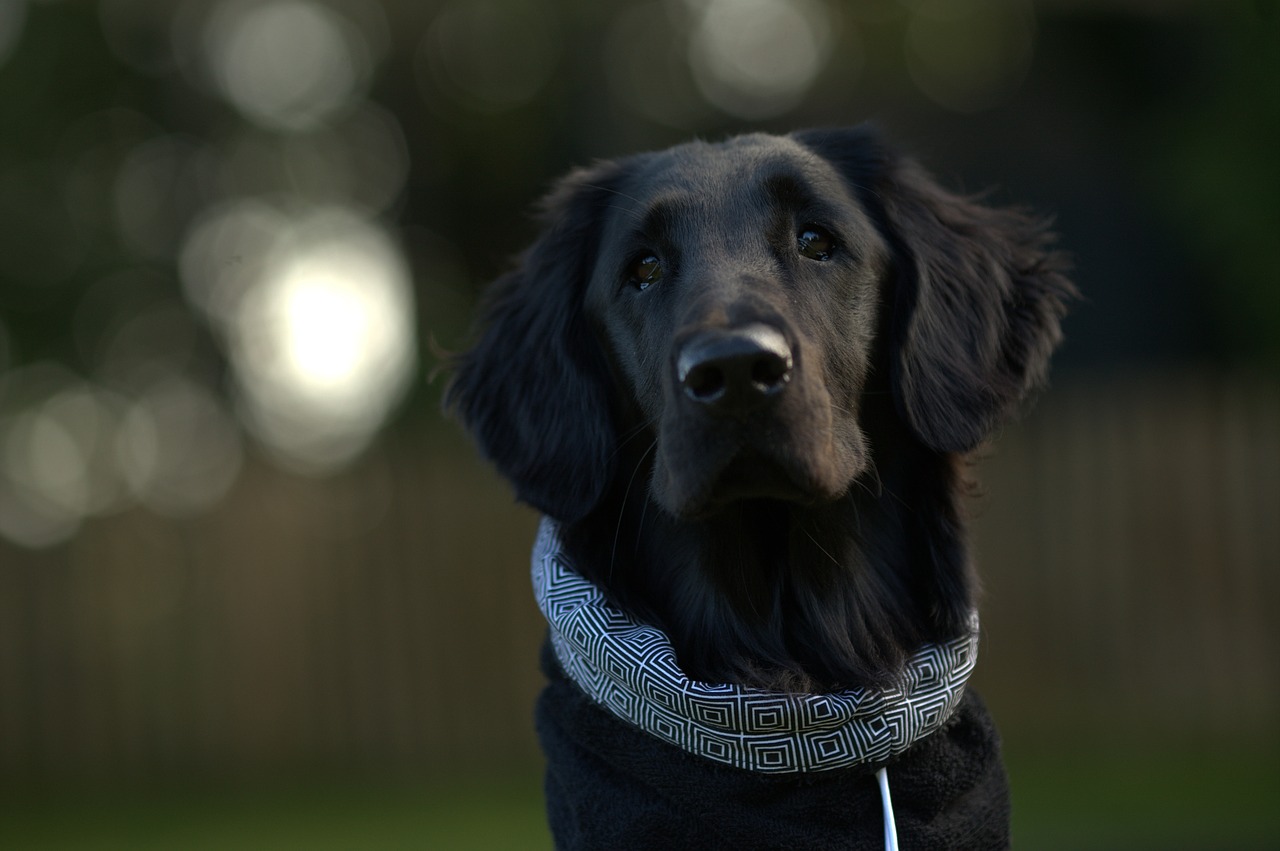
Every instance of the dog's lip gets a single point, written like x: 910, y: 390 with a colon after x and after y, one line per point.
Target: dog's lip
x: 747, y: 476
x: 752, y: 475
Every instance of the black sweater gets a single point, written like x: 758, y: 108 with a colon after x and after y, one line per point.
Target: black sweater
x: 610, y: 785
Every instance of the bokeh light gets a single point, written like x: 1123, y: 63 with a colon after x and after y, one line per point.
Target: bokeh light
x: 286, y: 64
x: 132, y: 329
x: 57, y: 436
x: 89, y: 157
x: 222, y: 255
x: 71, y: 449
x: 757, y: 58
x: 158, y: 187
x: 359, y: 159
x: 317, y: 313
x: 178, y: 448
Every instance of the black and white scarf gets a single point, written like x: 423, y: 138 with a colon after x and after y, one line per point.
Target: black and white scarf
x: 631, y: 670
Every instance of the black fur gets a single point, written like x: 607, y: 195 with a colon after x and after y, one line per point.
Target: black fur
x: 535, y: 389
x: 815, y: 542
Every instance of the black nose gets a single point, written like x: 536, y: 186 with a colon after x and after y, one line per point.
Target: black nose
x: 734, y: 370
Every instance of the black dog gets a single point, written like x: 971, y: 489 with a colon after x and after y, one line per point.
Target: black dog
x: 744, y: 378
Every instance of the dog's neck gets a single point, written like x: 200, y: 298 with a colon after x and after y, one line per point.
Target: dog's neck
x: 632, y: 670
x: 786, y: 596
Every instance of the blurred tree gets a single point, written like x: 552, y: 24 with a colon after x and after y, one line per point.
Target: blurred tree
x: 1220, y: 171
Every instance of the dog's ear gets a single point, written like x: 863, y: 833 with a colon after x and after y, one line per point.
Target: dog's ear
x: 976, y: 300
x: 534, y: 389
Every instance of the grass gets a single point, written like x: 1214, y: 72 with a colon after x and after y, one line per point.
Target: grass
x: 1082, y: 800
x: 505, y: 814
x: 1076, y: 800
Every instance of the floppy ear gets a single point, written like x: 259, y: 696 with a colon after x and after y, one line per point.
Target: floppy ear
x: 977, y: 298
x: 534, y: 389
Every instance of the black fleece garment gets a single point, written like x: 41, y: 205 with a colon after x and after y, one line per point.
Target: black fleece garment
x: 611, y: 785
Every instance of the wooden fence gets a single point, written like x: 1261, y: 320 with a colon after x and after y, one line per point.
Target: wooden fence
x: 1129, y: 539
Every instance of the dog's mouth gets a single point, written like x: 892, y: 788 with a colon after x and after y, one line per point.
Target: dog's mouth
x: 725, y: 476
x: 752, y: 475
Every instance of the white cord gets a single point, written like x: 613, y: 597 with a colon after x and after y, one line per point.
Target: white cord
x: 890, y: 829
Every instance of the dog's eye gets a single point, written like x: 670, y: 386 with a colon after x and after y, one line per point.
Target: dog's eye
x: 815, y: 242
x: 645, y: 271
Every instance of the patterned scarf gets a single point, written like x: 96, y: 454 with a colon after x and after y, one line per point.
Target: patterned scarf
x: 630, y: 669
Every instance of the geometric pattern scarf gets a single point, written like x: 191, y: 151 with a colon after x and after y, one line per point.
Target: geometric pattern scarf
x: 630, y: 669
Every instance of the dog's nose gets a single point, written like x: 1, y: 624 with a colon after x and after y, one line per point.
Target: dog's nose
x: 736, y: 369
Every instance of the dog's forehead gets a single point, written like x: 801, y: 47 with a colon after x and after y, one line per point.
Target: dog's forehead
x: 729, y: 191
x: 724, y: 172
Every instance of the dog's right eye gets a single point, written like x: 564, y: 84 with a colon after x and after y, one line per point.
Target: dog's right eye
x: 645, y: 271
x: 815, y: 242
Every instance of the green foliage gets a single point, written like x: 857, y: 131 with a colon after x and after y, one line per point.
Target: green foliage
x: 1219, y: 170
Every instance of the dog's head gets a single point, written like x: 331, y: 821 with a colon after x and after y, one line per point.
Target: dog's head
x: 727, y: 306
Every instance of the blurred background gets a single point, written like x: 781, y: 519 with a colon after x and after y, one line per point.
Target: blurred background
x: 255, y: 591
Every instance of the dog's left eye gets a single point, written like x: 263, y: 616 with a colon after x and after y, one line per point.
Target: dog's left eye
x: 815, y: 243
x: 645, y: 271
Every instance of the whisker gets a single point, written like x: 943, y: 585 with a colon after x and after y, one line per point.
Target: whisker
x: 874, y: 472
x: 613, y: 555
x: 630, y: 435
x: 611, y: 191
x: 644, y: 510
x: 634, y: 214
x: 821, y: 548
